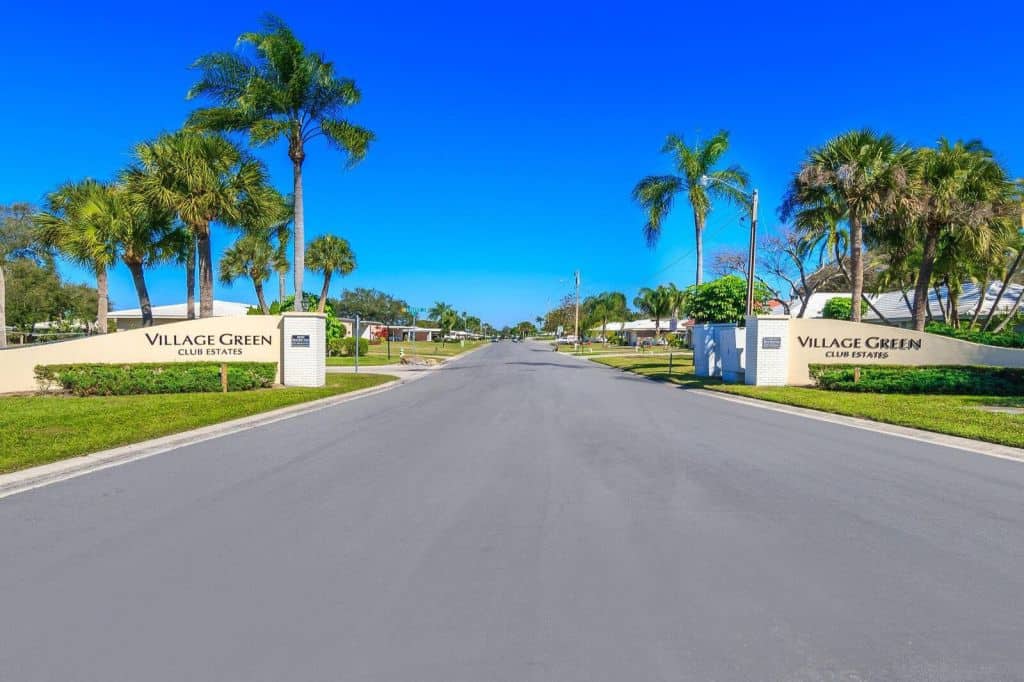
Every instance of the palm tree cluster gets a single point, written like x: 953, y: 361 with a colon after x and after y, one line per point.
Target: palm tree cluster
x: 939, y: 215
x: 181, y: 186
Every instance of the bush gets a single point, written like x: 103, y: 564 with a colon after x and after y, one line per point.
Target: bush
x: 347, y: 346
x: 724, y: 300
x: 940, y: 379
x: 1006, y: 338
x: 840, y: 308
x: 169, y: 377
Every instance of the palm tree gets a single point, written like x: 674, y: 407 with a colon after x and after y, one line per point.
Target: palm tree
x: 204, y: 179
x: 965, y: 199
x: 181, y: 249
x: 68, y: 225
x: 330, y: 254
x: 855, y: 177
x: 657, y: 303
x: 439, y: 309
x: 250, y: 256
x: 604, y: 307
x: 701, y: 180
x: 286, y: 92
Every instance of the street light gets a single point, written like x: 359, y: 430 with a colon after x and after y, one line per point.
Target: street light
x: 707, y: 180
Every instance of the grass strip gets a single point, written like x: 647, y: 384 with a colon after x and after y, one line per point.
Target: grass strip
x: 40, y: 429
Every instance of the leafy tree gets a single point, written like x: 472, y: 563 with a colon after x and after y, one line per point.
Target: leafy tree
x: 69, y: 225
x: 440, y: 308
x: 447, y: 321
x: 250, y: 256
x: 37, y: 294
x: 283, y: 91
x: 370, y: 304
x: 17, y: 241
x: 698, y: 176
x: 204, y: 179
x: 330, y: 254
x: 605, y: 307
x: 723, y: 300
x: 855, y: 177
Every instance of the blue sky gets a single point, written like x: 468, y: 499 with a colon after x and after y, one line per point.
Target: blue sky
x: 511, y: 134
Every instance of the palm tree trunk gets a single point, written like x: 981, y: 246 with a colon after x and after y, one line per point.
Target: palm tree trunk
x: 258, y: 285
x: 954, y: 306
x: 102, y: 299
x: 1010, y: 315
x: 323, y: 292
x: 300, y: 230
x: 982, y: 294
x: 190, y: 280
x: 139, y: 279
x: 280, y: 287
x: 3, y: 307
x: 857, y: 265
x: 1002, y: 290
x: 698, y: 225
x: 924, y: 277
x: 942, y: 308
x: 205, y: 272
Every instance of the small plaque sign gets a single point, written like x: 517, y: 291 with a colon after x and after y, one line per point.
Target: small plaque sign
x: 300, y: 340
x: 771, y: 342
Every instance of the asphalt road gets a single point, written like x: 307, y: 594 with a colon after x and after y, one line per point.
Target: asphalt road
x: 523, y: 516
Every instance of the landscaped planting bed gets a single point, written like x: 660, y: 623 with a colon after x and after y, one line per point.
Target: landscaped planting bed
x: 150, y: 378
x: 947, y: 380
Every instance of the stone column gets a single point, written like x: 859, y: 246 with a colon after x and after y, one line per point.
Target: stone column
x: 767, y: 352
x: 303, y: 349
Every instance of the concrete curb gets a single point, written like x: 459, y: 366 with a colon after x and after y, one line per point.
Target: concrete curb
x: 930, y: 437
x: 35, y: 477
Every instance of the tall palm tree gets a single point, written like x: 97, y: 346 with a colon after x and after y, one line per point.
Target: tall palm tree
x: 965, y: 202
x: 329, y: 254
x: 283, y: 92
x: 698, y: 176
x: 68, y: 225
x: 439, y: 308
x: 204, y: 179
x: 657, y: 304
x: 250, y: 256
x: 856, y: 177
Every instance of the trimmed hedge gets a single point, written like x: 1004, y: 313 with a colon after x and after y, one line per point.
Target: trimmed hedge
x: 347, y: 346
x: 1006, y: 338
x: 952, y: 380
x: 166, y: 377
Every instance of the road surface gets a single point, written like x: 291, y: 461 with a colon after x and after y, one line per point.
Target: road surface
x: 523, y: 516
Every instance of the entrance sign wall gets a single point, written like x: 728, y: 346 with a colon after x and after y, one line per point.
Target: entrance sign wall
x: 252, y: 338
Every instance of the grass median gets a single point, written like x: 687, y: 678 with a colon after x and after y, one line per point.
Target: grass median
x: 955, y: 415
x: 40, y: 429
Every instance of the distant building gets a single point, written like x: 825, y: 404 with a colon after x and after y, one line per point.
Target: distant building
x: 638, y: 330
x: 164, y: 314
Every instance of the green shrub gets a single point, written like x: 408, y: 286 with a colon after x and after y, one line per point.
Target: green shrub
x: 840, y: 307
x: 723, y: 300
x: 168, y: 377
x: 347, y: 346
x: 939, y: 379
x: 1006, y: 338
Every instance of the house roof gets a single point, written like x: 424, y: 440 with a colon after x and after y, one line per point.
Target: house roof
x: 179, y: 311
x: 895, y: 308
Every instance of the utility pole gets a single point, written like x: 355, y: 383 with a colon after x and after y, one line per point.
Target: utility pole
x: 357, y: 342
x: 578, y: 308
x: 752, y: 254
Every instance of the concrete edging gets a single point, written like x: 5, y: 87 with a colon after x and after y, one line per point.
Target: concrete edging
x: 45, y: 474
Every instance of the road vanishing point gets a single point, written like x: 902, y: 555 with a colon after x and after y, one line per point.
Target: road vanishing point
x: 521, y: 515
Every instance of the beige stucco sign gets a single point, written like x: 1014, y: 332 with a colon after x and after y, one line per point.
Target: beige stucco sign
x: 816, y: 341
x: 252, y: 338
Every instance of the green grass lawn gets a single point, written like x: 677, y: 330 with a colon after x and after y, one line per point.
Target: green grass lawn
x: 365, y: 360
x: 601, y: 349
x: 378, y: 354
x: 39, y: 429
x: 950, y: 414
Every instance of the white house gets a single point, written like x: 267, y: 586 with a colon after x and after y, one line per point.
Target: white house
x: 162, y: 314
x: 897, y: 307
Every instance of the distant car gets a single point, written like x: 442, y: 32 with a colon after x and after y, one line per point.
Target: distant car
x: 494, y: 340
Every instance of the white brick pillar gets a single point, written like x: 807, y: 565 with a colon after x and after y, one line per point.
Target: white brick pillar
x: 767, y: 352
x: 303, y: 349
